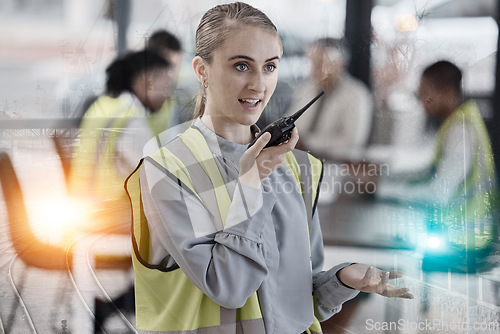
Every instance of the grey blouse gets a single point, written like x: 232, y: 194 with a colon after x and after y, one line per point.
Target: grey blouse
x: 263, y: 245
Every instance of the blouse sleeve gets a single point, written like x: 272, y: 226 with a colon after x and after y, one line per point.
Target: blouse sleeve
x: 329, y: 292
x: 227, y: 265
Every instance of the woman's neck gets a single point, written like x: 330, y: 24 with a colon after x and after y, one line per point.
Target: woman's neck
x: 236, y: 133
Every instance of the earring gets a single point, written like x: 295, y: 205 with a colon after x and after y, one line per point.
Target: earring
x: 205, y: 84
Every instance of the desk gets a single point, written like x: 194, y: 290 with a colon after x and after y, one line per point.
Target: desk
x: 362, y: 221
x: 362, y: 229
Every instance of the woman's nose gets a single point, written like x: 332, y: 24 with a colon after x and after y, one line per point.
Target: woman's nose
x: 257, y: 83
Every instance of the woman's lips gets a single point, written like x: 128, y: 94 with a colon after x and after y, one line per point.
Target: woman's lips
x: 250, y: 102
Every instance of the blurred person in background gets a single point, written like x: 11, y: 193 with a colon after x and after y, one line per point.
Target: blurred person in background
x: 89, y: 89
x: 113, y: 133
x: 139, y: 89
x: 460, y: 183
x: 339, y: 124
x: 115, y: 129
x: 336, y: 129
x: 85, y: 89
x: 169, y: 47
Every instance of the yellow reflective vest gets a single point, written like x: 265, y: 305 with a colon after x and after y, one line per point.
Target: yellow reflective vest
x: 166, y: 300
x: 94, y: 174
x: 93, y: 171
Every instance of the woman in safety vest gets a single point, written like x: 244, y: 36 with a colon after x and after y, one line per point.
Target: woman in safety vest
x: 227, y: 239
x: 114, y: 131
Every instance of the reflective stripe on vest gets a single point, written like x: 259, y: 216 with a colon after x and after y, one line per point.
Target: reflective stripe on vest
x: 166, y: 300
x: 306, y: 169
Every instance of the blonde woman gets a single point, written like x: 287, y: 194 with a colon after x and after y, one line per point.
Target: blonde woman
x: 227, y: 239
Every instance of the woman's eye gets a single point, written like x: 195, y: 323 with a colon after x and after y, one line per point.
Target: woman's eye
x: 241, y: 67
x: 270, y: 67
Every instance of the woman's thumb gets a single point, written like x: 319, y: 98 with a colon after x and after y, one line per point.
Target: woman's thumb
x: 259, y: 145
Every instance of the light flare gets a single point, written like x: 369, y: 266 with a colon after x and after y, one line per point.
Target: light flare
x: 434, y: 242
x: 57, y: 220
x: 406, y: 22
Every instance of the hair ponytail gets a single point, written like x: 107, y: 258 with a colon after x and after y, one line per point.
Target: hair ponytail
x: 199, y: 108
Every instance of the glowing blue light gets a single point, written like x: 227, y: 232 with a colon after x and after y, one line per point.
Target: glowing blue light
x: 434, y: 242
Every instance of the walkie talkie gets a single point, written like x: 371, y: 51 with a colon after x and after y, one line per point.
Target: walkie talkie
x: 281, y: 129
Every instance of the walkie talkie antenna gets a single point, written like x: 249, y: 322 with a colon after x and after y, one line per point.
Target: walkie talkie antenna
x: 295, y: 116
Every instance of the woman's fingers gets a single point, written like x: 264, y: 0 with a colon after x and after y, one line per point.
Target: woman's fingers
x: 258, y: 162
x: 365, y: 281
x: 392, y: 292
x: 377, y: 281
x: 404, y: 293
x: 382, y: 285
x: 288, y: 145
x: 294, y: 138
x: 259, y: 145
x: 276, y: 150
x: 395, y: 274
x: 373, y: 280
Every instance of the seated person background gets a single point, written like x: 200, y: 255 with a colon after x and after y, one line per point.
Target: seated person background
x: 459, y: 186
x: 338, y: 125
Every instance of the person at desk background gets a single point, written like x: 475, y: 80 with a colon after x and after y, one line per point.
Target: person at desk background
x: 339, y: 124
x: 460, y: 183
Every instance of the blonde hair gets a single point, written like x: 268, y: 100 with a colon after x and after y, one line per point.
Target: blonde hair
x: 215, y: 25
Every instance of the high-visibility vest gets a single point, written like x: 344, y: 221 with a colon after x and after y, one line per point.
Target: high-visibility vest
x: 160, y: 120
x: 93, y: 170
x: 475, y: 200
x: 166, y: 300
x: 93, y: 167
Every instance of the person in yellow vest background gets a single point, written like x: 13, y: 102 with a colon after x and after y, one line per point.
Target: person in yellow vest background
x: 459, y: 186
x: 226, y: 238
x: 113, y: 132
x: 139, y: 104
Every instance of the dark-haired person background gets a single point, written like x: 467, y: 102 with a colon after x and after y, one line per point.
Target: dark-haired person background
x: 115, y: 129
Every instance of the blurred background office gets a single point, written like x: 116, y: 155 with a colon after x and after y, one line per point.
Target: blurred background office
x: 53, y: 56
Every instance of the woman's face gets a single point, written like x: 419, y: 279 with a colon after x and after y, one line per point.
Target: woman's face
x: 242, y: 76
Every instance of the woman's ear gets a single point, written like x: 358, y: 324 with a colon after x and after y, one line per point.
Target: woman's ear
x: 200, y: 69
